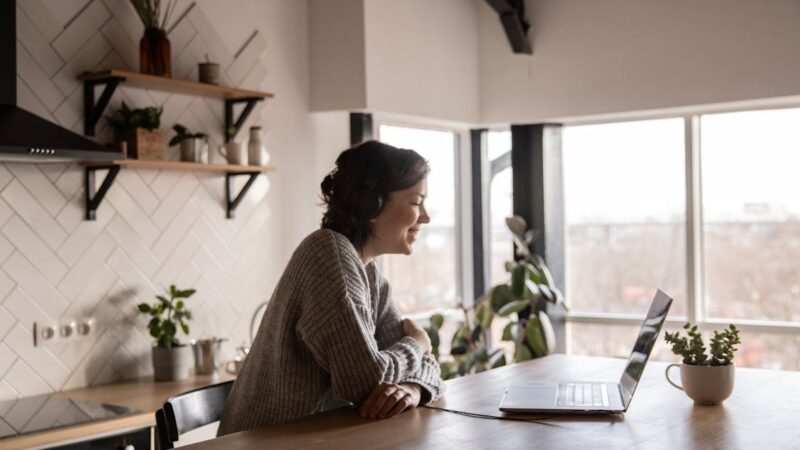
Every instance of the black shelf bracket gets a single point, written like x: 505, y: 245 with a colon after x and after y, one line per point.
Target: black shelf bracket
x: 94, y: 198
x: 232, y: 203
x: 232, y: 126
x: 92, y: 112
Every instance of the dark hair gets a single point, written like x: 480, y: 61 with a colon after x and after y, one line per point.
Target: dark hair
x: 357, y: 189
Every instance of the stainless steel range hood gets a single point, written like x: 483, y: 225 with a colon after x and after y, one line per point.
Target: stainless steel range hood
x: 25, y: 136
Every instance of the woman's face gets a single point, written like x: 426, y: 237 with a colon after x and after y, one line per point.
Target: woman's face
x: 395, y: 229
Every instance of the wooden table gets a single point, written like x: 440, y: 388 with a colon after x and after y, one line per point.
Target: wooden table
x: 143, y: 394
x: 763, y: 412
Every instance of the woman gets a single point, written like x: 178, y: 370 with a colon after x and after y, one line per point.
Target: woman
x: 331, y: 334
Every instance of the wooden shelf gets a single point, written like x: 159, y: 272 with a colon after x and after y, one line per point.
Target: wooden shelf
x: 111, y: 79
x: 174, y: 85
x: 180, y: 165
x: 93, y: 195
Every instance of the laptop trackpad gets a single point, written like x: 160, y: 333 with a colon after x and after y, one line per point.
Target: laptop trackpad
x: 530, y: 396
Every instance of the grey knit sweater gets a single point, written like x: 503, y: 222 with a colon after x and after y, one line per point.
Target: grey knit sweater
x: 330, y: 334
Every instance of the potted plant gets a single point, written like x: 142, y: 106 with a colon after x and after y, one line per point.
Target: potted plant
x: 523, y: 299
x: 706, y: 377
x: 194, y: 146
x: 171, y: 359
x: 154, y: 49
x: 138, y: 129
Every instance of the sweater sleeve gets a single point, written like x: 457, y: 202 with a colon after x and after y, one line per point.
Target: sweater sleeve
x: 390, y: 330
x: 337, y: 327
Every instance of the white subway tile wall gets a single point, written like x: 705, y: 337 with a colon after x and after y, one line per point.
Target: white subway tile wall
x: 154, y: 228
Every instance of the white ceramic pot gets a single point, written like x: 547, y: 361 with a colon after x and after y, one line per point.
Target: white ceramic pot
x: 194, y: 150
x: 706, y: 385
x: 171, y: 364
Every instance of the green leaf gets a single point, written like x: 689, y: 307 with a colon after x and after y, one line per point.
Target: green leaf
x: 162, y: 299
x: 179, y: 305
x: 499, y: 362
x: 476, y: 333
x: 433, y: 335
x: 534, y: 274
x: 501, y: 295
x: 185, y: 294
x: 173, y: 291
x: 532, y: 291
x: 144, y: 308
x: 547, y: 293
x: 518, y: 281
x: 437, y: 320
x: 184, y: 327
x: 484, y: 314
x: 482, y: 356
x: 522, y: 353
x: 169, y: 328
x: 510, y: 331
x: 154, y: 323
x: 514, y: 307
x: 155, y: 331
x: 548, y: 277
x: 535, y: 337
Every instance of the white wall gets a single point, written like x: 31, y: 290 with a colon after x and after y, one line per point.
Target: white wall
x: 154, y: 227
x: 596, y: 57
x: 338, y: 75
x: 422, y: 58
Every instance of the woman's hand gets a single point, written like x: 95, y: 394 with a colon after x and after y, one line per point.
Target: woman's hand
x: 389, y: 399
x: 410, y: 328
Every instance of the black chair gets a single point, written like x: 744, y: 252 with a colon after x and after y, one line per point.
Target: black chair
x: 189, y: 410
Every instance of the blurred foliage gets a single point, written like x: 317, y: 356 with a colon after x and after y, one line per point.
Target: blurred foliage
x: 523, y: 299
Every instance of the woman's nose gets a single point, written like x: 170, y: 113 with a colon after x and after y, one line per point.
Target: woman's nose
x: 424, y: 217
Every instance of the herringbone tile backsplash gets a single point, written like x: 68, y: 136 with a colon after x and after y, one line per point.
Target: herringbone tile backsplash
x: 154, y: 227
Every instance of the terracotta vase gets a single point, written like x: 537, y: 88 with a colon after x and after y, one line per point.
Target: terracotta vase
x: 154, y: 53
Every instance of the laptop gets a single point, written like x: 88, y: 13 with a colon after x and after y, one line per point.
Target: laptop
x: 591, y: 397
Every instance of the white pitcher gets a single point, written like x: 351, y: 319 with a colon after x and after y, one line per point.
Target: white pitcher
x: 257, y: 154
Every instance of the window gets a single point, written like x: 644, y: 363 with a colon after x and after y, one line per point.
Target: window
x: 751, y: 215
x: 624, y: 207
x: 429, y: 279
x: 501, y: 244
x: 626, y: 232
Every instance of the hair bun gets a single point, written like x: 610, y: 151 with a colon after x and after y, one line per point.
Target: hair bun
x: 327, y: 185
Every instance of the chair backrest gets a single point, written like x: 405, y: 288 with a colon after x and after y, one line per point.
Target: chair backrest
x: 162, y: 436
x: 189, y: 410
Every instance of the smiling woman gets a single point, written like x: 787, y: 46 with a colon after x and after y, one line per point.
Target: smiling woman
x: 332, y: 335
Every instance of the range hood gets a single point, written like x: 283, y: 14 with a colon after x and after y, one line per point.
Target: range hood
x: 24, y: 136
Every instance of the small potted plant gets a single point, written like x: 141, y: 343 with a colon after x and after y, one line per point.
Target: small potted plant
x: 706, y: 377
x: 171, y: 359
x: 138, y: 129
x: 194, y: 146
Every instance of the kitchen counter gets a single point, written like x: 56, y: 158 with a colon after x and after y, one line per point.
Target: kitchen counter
x: 143, y: 394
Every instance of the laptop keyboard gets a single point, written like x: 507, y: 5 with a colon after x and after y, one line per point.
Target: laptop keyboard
x: 582, y: 394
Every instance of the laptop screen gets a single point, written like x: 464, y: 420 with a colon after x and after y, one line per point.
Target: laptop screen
x: 644, y: 345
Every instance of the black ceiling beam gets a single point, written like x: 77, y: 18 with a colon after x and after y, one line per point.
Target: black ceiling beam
x: 512, y: 16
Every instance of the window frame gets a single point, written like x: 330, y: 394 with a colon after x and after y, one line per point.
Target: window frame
x: 463, y: 217
x: 696, y: 308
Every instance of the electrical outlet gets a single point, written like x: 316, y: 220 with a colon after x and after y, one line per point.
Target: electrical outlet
x: 65, y: 330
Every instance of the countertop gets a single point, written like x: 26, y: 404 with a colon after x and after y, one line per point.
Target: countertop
x: 143, y: 394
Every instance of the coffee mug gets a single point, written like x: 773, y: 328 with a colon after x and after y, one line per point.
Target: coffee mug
x: 234, y: 366
x: 234, y: 153
x: 706, y: 385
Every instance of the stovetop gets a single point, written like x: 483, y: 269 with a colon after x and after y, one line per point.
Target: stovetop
x: 46, y: 412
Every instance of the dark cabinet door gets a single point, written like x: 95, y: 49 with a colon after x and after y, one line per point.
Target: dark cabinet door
x: 133, y: 440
